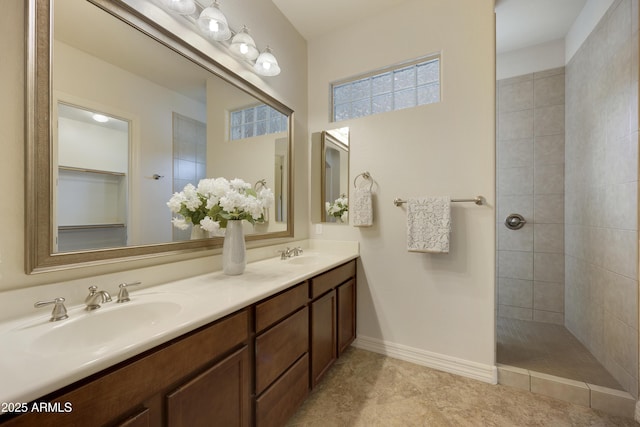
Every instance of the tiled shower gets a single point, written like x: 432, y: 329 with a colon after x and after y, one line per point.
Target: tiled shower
x: 567, y: 161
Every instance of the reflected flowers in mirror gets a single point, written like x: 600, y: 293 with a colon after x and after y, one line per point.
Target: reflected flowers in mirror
x: 339, y: 208
x: 215, y: 201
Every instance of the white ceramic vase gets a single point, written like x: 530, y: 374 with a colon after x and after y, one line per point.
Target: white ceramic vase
x: 234, y: 252
x: 198, y: 233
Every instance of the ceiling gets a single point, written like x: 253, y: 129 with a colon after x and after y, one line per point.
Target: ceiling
x: 519, y: 23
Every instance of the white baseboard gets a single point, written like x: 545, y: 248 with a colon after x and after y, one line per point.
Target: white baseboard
x: 454, y: 365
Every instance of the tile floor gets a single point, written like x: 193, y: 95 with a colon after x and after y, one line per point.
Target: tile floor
x: 369, y: 389
x: 550, y: 349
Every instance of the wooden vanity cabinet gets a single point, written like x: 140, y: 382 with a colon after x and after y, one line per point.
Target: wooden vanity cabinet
x: 282, y: 359
x: 333, y: 317
x: 252, y: 368
x: 155, y: 388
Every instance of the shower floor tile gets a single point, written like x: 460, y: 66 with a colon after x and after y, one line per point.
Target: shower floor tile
x: 550, y: 349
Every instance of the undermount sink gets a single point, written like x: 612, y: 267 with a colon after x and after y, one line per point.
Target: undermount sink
x: 103, y: 326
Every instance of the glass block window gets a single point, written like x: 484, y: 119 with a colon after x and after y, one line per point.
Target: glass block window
x: 255, y: 121
x: 394, y: 88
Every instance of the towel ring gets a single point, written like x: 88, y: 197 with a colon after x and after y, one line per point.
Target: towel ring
x: 366, y: 175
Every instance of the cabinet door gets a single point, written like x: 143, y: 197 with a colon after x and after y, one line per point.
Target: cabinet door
x: 219, y: 396
x: 346, y: 315
x: 323, y: 335
x: 141, y: 419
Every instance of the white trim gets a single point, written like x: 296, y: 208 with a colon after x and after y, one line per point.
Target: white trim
x: 442, y: 362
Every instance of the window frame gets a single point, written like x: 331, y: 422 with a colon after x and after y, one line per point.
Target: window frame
x: 379, y: 72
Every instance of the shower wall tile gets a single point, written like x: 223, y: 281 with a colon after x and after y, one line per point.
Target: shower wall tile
x: 524, y: 205
x: 548, y: 73
x: 621, y: 159
x: 513, y: 153
x: 549, y: 179
x: 512, y: 312
x: 548, y: 267
x: 549, y: 91
x: 601, y: 185
x: 548, y: 317
x: 515, y: 292
x: 531, y: 168
x: 512, y: 80
x: 549, y: 120
x: 515, y: 265
x: 515, y: 181
x: 549, y: 238
x: 517, y: 96
x: 620, y: 298
x: 516, y: 125
x: 548, y: 150
x: 548, y: 208
x: 548, y: 296
x: 514, y: 240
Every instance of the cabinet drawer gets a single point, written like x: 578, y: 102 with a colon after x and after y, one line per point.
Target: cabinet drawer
x: 281, y: 400
x: 332, y: 278
x: 279, y: 307
x: 279, y: 347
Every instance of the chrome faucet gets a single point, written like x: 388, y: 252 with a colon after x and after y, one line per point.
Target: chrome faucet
x: 95, y: 298
x: 289, y: 252
x: 59, y: 310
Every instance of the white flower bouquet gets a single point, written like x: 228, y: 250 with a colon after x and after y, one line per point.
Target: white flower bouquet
x: 215, y: 201
x: 339, y: 208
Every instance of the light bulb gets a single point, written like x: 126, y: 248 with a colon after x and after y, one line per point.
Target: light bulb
x: 244, y: 48
x: 100, y: 118
x: 266, y: 65
x: 214, y: 26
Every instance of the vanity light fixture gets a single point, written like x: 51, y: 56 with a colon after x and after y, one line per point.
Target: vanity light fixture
x: 243, y: 45
x: 266, y: 64
x: 100, y: 118
x: 213, y: 23
x: 182, y: 7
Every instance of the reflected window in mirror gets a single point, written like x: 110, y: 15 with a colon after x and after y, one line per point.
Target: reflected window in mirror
x: 335, y: 175
x: 256, y: 121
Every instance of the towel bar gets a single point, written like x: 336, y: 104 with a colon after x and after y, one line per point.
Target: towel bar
x: 479, y: 200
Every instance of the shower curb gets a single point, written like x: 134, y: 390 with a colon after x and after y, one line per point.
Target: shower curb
x: 611, y: 401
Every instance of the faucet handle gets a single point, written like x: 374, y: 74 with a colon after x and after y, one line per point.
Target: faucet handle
x: 285, y: 253
x: 297, y: 251
x: 123, y: 293
x: 59, y: 310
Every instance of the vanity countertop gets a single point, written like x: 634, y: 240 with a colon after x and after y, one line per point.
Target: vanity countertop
x: 38, y: 357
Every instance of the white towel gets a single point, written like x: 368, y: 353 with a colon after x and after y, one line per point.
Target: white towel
x: 362, y: 207
x: 428, y: 224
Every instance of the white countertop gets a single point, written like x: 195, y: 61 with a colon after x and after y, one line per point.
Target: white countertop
x: 34, y: 361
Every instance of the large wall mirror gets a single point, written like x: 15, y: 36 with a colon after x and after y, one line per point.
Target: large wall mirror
x: 334, y: 169
x: 120, y: 115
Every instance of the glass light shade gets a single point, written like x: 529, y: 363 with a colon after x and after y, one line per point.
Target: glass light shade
x: 213, y: 23
x: 183, y: 7
x: 243, y: 45
x: 266, y: 64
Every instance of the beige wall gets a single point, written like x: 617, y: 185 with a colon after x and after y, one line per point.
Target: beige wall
x: 423, y: 305
x: 267, y: 24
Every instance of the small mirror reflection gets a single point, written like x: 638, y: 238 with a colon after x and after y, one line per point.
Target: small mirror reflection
x: 335, y: 175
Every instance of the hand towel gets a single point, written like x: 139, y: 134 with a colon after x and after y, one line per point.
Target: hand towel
x: 428, y: 224
x: 362, y: 207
